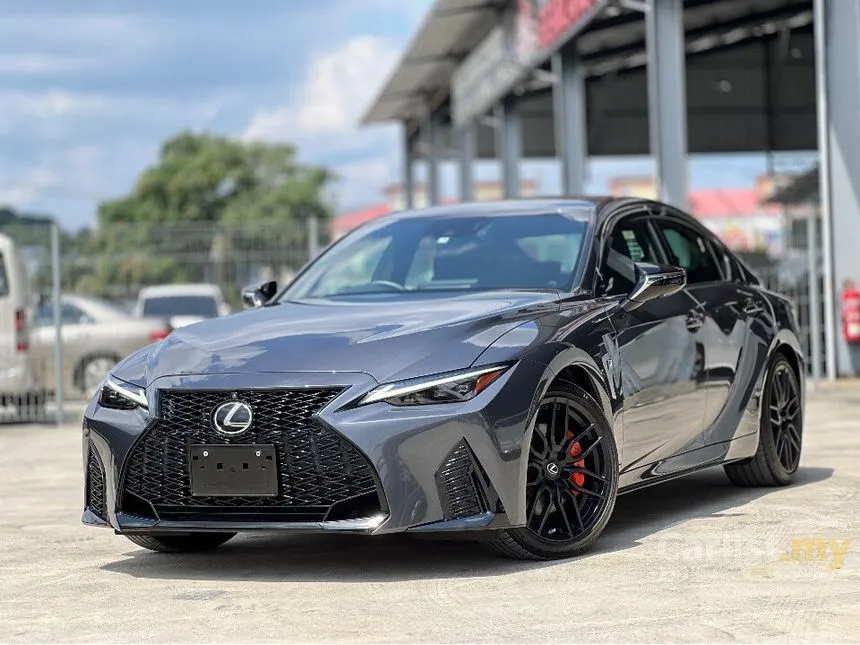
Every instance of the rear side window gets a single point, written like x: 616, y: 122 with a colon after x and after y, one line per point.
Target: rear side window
x: 4, y: 279
x: 691, y: 251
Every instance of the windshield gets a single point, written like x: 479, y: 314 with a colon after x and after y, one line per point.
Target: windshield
x: 448, y: 254
x: 202, y: 306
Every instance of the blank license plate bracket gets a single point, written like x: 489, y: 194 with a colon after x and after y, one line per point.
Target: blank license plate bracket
x: 233, y: 470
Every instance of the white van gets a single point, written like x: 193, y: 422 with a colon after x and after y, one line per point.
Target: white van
x: 19, y: 385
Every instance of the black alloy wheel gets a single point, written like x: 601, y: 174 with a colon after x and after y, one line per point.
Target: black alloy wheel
x: 784, y: 416
x: 571, y: 479
x: 780, y: 434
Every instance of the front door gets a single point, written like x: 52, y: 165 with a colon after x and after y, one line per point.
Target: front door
x: 662, y: 353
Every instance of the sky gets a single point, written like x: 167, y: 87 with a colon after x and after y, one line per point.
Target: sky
x: 89, y: 90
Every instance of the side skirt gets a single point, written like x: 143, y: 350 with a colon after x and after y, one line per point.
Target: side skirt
x: 689, y: 462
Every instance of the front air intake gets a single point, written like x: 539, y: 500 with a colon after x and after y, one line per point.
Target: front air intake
x: 96, y: 485
x: 457, y: 480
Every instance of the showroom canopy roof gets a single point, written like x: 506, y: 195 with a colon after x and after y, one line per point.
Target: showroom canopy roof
x: 449, y: 33
x: 612, y: 43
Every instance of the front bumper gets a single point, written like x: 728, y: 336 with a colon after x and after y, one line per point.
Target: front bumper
x: 445, y: 467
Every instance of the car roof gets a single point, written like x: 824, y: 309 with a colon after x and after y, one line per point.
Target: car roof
x: 592, y: 206
x: 163, y: 290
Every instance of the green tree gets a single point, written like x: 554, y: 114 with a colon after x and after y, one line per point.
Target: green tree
x: 212, y: 208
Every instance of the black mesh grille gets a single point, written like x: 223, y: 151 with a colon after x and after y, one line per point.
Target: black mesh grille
x: 456, y: 481
x: 317, y: 468
x: 96, y: 485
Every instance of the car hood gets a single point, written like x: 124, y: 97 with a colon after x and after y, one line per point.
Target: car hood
x: 388, y: 339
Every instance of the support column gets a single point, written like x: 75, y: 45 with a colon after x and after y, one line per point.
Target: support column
x: 408, y: 171
x: 467, y: 144
x: 509, y: 145
x: 434, y: 192
x: 667, y: 98
x: 814, y: 300
x: 837, y: 43
x: 569, y: 107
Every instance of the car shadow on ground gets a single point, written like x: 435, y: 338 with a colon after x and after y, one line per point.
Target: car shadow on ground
x: 345, y: 558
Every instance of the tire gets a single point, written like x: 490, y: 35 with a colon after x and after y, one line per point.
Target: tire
x: 553, y: 532
x: 92, y: 370
x: 189, y: 543
x: 774, y: 463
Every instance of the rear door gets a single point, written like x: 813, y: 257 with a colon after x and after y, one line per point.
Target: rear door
x: 661, y: 353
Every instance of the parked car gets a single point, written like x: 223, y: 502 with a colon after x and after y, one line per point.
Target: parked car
x: 20, y: 383
x: 96, y: 336
x: 181, y: 304
x: 503, y: 369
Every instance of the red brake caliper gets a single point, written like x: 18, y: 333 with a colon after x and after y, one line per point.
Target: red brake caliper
x: 575, y: 451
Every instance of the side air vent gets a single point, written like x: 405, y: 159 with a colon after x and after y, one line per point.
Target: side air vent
x: 96, y: 485
x: 458, y: 482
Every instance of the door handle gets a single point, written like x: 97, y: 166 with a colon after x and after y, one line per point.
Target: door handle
x: 695, y: 320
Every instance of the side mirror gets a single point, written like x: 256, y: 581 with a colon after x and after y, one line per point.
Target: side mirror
x: 257, y: 296
x: 654, y: 281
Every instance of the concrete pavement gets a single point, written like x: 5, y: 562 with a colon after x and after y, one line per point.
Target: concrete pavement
x: 693, y: 560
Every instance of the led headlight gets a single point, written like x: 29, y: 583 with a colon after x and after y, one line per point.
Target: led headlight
x: 445, y: 388
x: 119, y: 395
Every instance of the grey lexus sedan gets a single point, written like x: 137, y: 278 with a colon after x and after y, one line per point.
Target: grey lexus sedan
x: 503, y: 370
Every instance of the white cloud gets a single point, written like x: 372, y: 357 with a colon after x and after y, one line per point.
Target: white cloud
x: 323, y: 118
x: 29, y: 109
x: 338, y: 87
x: 22, y: 192
x: 41, y: 64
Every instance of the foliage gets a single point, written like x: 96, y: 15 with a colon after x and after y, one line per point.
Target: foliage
x: 207, y: 200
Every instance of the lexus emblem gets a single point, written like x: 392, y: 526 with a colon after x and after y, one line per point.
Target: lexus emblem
x: 232, y: 418
x: 552, y: 469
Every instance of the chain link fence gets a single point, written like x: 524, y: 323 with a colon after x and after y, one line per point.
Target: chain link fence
x: 100, y: 276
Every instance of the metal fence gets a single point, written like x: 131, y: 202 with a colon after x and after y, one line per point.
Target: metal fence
x: 51, y: 356
x: 69, y: 348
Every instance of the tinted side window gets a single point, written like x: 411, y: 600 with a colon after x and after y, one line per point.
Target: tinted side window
x: 630, y: 241
x: 690, y: 250
x: 731, y: 270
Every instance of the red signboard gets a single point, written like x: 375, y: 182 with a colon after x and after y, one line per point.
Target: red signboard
x: 558, y: 16
x: 542, y: 25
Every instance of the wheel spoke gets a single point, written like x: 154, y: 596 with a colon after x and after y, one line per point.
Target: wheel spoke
x: 777, y: 389
x: 793, y: 436
x: 585, y: 453
x: 547, y: 512
x: 585, y: 491
x: 587, y: 472
x: 559, y: 502
x: 576, y: 510
x: 535, y: 502
x: 792, y: 407
x: 774, y: 415
x: 553, y: 431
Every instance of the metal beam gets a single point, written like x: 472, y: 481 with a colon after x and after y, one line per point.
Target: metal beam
x: 509, y: 145
x: 468, y: 150
x: 667, y: 99
x: 434, y: 193
x: 837, y: 41
x: 408, y: 170
x: 571, y: 139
